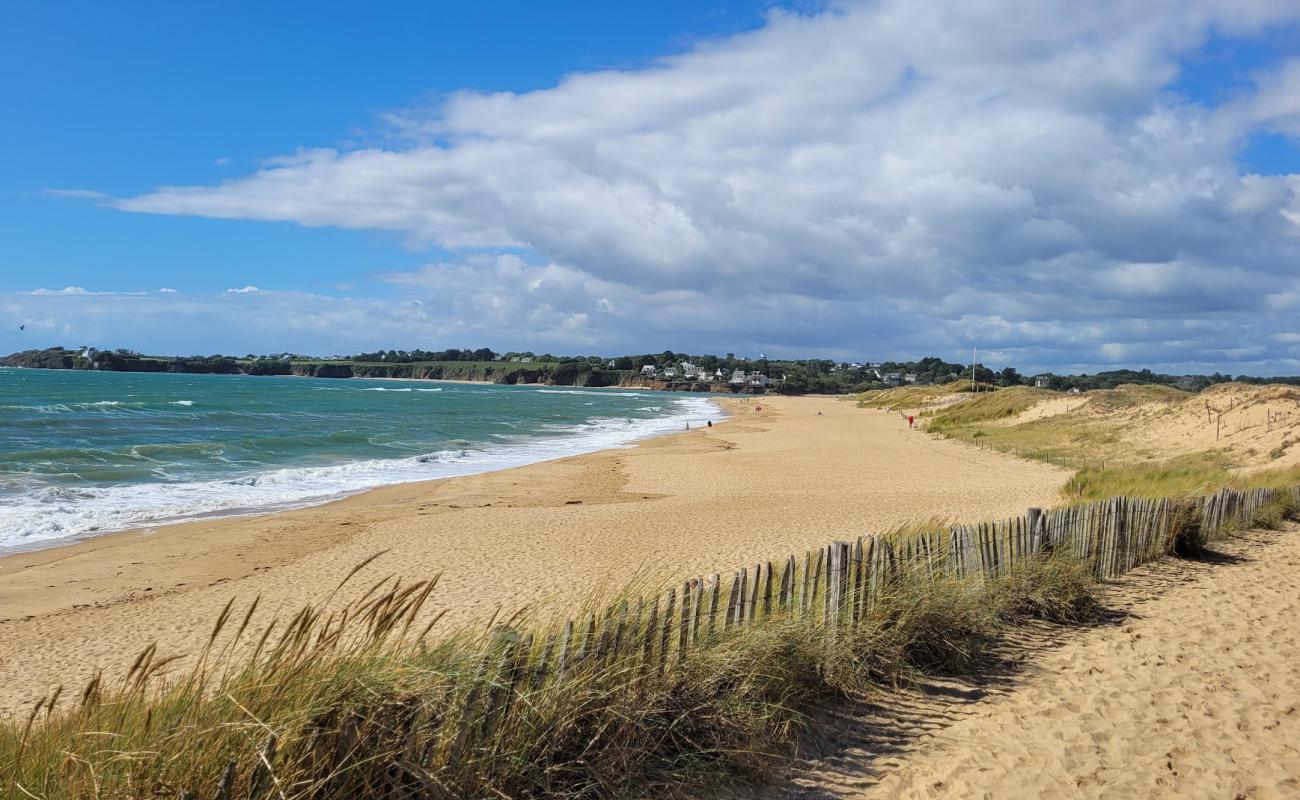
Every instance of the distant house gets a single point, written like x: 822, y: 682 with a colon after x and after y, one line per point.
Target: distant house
x: 759, y: 379
x: 720, y: 374
x: 515, y: 360
x: 670, y: 372
x: 1042, y: 381
x: 1074, y: 390
x: 910, y: 377
x: 738, y: 377
x: 689, y: 369
x: 648, y: 369
x: 892, y: 378
x: 526, y: 360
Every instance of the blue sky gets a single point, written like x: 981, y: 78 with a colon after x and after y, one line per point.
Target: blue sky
x: 1069, y: 189
x: 127, y: 97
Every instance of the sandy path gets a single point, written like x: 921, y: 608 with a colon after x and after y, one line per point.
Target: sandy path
x: 1194, y: 693
x: 759, y: 486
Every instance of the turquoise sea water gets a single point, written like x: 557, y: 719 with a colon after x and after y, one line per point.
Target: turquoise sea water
x: 90, y: 452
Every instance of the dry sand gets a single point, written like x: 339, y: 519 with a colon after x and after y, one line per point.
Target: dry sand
x: 758, y: 486
x: 1191, y: 691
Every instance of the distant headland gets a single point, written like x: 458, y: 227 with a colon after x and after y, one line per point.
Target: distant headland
x: 666, y: 371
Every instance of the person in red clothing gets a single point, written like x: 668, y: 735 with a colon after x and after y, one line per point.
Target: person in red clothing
x: 910, y: 420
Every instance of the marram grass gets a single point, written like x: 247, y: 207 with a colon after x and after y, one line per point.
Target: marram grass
x: 359, y: 702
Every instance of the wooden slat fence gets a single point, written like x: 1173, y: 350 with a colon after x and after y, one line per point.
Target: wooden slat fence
x: 831, y: 588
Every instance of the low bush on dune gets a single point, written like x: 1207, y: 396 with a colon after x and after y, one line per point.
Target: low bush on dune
x: 1274, y: 514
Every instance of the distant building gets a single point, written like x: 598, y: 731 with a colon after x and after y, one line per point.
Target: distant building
x: 1042, y: 381
x: 670, y: 372
x: 738, y: 377
x: 526, y: 360
x: 892, y: 378
x: 648, y: 369
x: 720, y: 374
x: 689, y: 369
x: 910, y: 377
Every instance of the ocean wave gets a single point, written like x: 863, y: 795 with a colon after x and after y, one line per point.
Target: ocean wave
x: 44, y: 513
x: 186, y: 403
x: 385, y: 389
x: 69, y: 408
x: 591, y: 393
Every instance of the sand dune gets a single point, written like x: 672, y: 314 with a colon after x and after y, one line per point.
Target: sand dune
x: 1251, y: 426
x: 759, y: 486
x: 1194, y: 692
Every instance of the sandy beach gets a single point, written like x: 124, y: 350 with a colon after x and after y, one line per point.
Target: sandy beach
x: 763, y: 484
x: 1191, y: 689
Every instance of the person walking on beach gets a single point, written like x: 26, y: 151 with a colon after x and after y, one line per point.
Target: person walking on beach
x: 910, y: 420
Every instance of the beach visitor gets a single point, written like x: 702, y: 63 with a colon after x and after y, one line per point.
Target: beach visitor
x: 910, y: 419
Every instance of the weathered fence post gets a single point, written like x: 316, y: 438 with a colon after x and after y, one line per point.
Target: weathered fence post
x: 666, y: 632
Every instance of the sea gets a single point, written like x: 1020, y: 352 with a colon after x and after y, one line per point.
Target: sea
x: 83, y: 453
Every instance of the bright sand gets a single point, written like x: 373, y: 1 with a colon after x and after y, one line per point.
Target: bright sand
x: 1192, y: 692
x: 759, y: 486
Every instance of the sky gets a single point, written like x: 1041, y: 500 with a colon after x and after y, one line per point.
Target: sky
x: 1066, y: 186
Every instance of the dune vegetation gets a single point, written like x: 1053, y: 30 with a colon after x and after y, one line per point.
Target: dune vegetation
x: 349, y: 703
x: 1136, y: 440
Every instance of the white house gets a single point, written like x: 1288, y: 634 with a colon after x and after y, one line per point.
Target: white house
x: 892, y: 378
x: 648, y: 369
x: 738, y: 377
x: 1041, y: 381
x: 690, y: 370
x: 670, y: 372
x: 720, y: 374
x: 910, y: 377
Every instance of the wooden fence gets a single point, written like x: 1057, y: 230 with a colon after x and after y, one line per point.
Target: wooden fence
x: 832, y: 588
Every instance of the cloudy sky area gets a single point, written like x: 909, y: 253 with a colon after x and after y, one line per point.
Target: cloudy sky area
x: 1068, y: 186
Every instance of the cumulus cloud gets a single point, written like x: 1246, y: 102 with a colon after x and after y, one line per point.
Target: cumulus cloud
x: 883, y: 178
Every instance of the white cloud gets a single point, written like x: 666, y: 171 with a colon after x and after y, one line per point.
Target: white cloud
x: 893, y: 177
x: 244, y: 290
x: 78, y: 291
x: 165, y: 290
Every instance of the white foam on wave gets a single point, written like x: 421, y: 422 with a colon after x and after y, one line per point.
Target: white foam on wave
x: 385, y: 389
x: 591, y: 393
x: 185, y: 403
x: 47, y: 514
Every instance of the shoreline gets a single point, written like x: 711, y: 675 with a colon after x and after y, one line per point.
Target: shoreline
x: 526, y: 456
x: 765, y: 484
